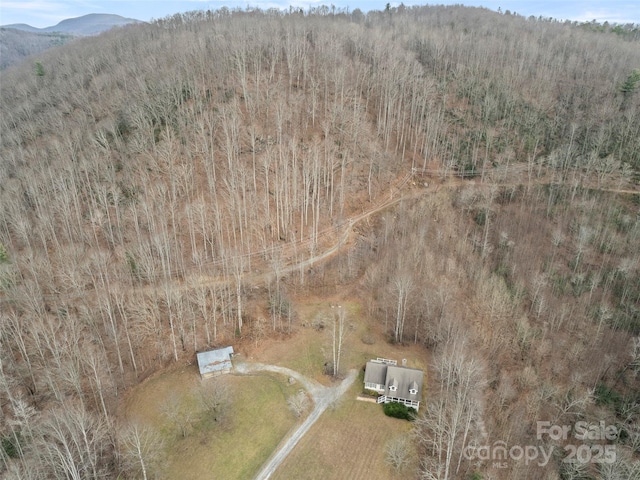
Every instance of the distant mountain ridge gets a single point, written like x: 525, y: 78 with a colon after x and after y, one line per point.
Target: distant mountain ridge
x: 91, y: 24
x: 20, y: 40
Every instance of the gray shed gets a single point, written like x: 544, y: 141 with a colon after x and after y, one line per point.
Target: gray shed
x: 215, y: 362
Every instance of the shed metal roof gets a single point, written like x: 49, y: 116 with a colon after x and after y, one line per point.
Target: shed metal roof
x: 215, y: 360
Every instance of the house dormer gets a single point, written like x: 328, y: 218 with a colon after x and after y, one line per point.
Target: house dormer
x: 393, y: 385
x: 413, y: 388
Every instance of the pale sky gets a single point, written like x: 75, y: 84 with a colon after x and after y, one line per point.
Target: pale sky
x: 45, y: 13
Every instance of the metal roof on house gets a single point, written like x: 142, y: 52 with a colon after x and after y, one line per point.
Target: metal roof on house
x: 215, y: 360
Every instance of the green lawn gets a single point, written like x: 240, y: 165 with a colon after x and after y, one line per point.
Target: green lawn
x: 233, y: 447
x: 348, y: 441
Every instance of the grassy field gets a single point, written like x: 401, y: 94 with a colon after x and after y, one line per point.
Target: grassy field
x: 235, y: 446
x: 308, y: 348
x: 347, y: 442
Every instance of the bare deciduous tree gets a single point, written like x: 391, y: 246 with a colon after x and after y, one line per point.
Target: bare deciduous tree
x: 398, y: 453
x: 180, y: 416
x: 402, y: 283
x: 339, y: 330
x: 140, y: 450
x: 447, y: 425
x: 214, y: 397
x: 298, y: 403
x: 73, y: 443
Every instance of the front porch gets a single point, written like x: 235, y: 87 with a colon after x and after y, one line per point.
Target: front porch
x: 407, y: 402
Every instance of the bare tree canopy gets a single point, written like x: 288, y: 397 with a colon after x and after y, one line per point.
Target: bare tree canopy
x: 468, y: 178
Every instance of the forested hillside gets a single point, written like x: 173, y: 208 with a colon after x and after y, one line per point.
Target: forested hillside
x: 162, y: 184
x: 15, y: 45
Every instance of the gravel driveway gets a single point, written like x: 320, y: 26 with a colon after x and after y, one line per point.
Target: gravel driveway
x: 322, y: 397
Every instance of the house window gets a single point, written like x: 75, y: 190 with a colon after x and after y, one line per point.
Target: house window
x: 413, y: 391
x: 393, y: 388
